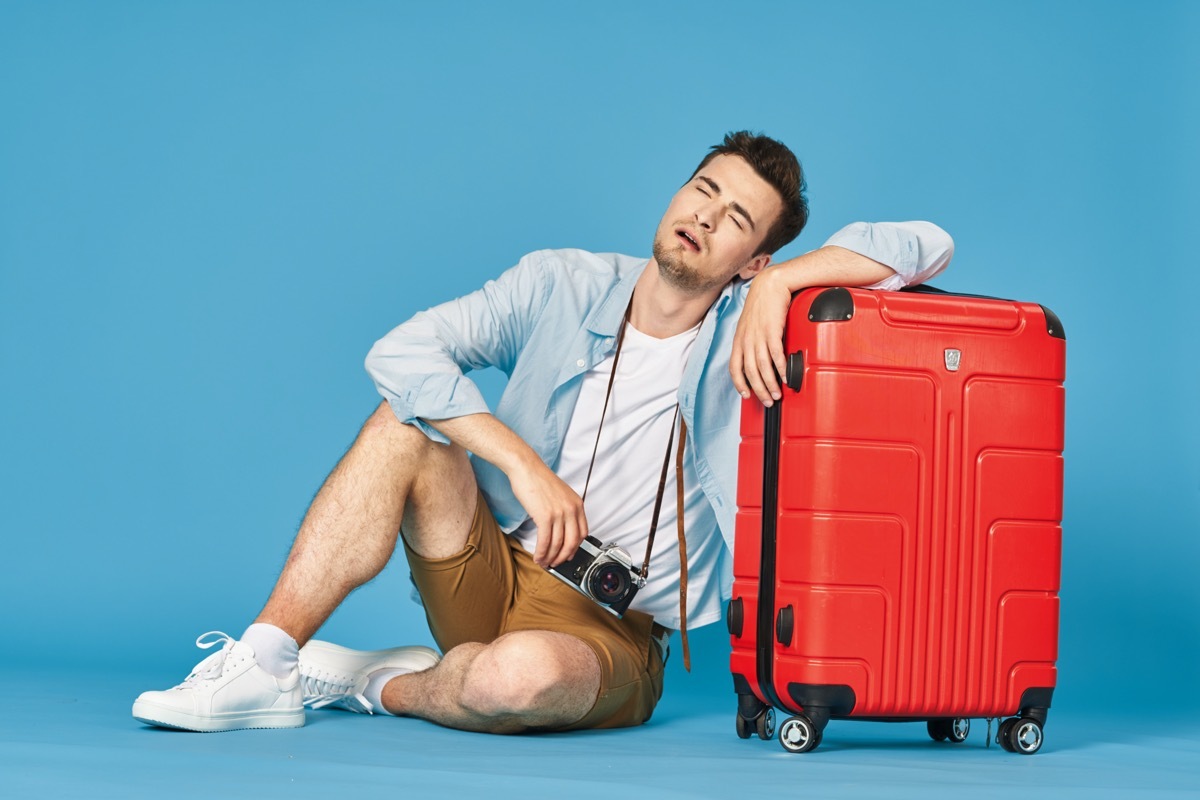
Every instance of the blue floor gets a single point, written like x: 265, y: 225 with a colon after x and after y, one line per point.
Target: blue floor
x: 69, y: 734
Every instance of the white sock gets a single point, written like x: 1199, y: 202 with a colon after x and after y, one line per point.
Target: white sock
x: 274, y: 650
x: 375, y: 683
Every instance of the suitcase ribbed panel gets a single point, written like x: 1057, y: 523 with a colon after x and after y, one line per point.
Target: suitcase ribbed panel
x: 919, y: 507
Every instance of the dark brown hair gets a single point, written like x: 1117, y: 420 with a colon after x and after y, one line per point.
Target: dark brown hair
x: 778, y: 166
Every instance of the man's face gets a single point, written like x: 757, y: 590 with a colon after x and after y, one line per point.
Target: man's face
x: 714, y: 226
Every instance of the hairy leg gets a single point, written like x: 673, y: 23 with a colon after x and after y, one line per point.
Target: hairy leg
x: 391, y: 473
x: 523, y: 680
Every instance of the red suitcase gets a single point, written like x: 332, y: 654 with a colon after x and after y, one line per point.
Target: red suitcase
x: 898, y: 535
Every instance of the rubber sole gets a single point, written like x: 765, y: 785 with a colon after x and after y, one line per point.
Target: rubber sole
x: 163, y: 717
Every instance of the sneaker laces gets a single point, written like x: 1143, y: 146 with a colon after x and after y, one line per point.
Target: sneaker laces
x: 323, y: 689
x: 213, y: 666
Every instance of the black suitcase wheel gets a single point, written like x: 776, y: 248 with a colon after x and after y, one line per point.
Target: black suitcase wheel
x: 953, y: 730
x: 743, y: 726
x: 1003, y: 733
x: 1024, y: 736
x: 765, y: 725
x: 798, y: 735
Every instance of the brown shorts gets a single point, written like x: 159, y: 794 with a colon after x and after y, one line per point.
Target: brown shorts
x: 494, y: 587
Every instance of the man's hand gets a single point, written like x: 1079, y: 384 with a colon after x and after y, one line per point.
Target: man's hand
x: 758, y: 359
x: 553, y: 505
x: 556, y: 510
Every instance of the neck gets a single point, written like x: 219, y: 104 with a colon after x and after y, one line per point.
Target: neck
x: 661, y: 310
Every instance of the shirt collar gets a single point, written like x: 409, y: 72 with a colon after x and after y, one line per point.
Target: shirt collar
x: 726, y: 296
x: 606, y: 320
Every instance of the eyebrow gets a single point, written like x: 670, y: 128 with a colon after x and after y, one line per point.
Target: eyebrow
x: 734, y: 205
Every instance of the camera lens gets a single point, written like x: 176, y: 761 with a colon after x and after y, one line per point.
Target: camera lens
x: 609, y: 583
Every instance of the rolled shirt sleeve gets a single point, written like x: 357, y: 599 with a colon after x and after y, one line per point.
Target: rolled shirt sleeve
x: 420, y: 366
x: 915, y: 251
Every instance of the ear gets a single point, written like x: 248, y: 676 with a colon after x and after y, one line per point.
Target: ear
x: 756, y: 265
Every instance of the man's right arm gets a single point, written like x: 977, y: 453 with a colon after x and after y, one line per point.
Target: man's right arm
x: 553, y: 505
x: 420, y: 369
x: 420, y: 366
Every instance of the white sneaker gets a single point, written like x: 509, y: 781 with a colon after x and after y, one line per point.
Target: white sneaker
x: 336, y: 676
x: 226, y: 691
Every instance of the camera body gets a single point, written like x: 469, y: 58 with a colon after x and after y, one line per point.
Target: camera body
x: 602, y: 572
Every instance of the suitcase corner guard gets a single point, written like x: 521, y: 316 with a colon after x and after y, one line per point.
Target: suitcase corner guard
x: 832, y: 305
x: 822, y: 701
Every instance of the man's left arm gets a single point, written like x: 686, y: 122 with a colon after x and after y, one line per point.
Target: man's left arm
x: 881, y: 255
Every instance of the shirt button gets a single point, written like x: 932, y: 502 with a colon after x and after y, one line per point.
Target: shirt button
x: 580, y: 363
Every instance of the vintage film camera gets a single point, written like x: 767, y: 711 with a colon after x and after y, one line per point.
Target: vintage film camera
x: 602, y: 572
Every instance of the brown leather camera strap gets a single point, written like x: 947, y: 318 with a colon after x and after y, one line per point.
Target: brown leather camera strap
x: 612, y: 376
x: 683, y: 563
x: 662, y: 485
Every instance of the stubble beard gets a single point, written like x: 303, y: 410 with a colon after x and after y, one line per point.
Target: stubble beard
x: 678, y: 274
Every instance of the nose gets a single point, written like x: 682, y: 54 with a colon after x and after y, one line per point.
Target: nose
x: 707, y: 215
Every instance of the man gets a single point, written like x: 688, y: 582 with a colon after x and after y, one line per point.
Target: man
x: 616, y: 365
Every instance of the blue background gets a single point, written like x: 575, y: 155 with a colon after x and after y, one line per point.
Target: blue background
x: 209, y: 211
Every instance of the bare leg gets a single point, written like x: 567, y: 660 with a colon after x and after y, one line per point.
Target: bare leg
x: 523, y: 680
x: 394, y: 474
x: 391, y: 472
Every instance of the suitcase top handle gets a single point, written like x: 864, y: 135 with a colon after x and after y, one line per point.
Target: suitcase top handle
x: 837, y: 305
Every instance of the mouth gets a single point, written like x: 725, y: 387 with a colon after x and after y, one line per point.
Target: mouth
x: 687, y: 239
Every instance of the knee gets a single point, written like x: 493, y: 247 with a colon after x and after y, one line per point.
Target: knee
x: 383, y: 425
x: 390, y: 441
x: 526, y: 677
x: 383, y: 433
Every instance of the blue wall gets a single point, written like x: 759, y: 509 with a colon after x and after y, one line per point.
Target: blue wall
x: 208, y: 211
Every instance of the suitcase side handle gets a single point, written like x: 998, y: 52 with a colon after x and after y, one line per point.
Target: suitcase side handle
x: 795, y: 371
x: 785, y: 624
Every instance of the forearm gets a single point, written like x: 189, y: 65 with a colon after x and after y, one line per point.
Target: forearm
x: 915, y: 251
x: 829, y: 266
x: 556, y: 510
x: 490, y: 439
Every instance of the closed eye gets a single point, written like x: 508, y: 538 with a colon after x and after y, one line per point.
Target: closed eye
x: 704, y: 184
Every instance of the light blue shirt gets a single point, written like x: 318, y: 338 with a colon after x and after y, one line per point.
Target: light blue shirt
x: 554, y: 316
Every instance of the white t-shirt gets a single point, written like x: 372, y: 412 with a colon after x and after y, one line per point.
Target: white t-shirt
x: 620, y: 499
